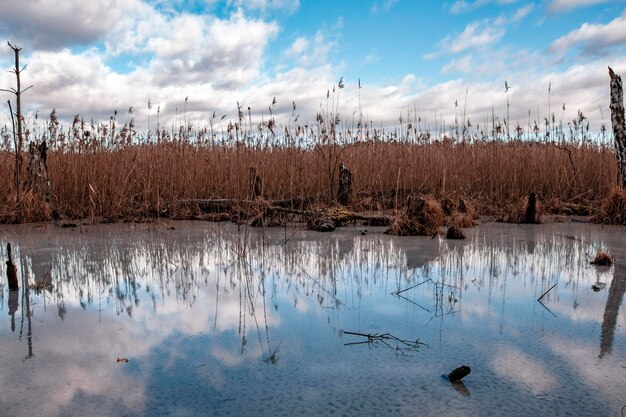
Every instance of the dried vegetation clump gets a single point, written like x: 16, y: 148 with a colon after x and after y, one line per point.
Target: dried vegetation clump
x: 567, y: 208
x: 527, y: 210
x: 602, y: 259
x: 465, y: 215
x: 422, y: 216
x: 612, y: 210
x: 31, y: 207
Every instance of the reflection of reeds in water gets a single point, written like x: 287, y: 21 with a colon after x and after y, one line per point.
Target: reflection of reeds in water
x: 261, y: 266
x: 114, y: 271
x: 542, y: 257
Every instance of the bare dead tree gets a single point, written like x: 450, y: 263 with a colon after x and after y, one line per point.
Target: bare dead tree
x: 619, y: 125
x: 18, y: 115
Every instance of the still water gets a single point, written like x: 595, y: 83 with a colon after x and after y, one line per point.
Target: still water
x: 220, y: 320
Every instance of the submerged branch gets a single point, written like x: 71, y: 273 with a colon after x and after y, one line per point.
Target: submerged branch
x: 399, y: 346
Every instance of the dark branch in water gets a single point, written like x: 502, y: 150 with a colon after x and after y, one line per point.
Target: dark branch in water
x: 439, y: 286
x: 544, y: 306
x: 410, y: 288
x: 399, y: 346
x: 411, y: 301
x: 543, y: 295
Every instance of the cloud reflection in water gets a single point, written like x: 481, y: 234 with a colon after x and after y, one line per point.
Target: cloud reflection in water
x: 206, y: 313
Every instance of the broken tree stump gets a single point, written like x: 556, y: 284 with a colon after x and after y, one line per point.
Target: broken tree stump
x: 619, y: 125
x: 344, y: 192
x: 38, y: 179
x: 11, y: 271
x: 530, y: 213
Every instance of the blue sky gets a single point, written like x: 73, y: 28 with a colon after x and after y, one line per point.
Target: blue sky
x: 412, y: 57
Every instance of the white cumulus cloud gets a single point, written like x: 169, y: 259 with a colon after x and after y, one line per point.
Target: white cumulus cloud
x: 593, y: 38
x: 50, y: 24
x: 559, y: 6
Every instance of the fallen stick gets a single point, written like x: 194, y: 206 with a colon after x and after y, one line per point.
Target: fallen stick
x: 410, y: 288
x: 386, y: 339
x: 549, y: 289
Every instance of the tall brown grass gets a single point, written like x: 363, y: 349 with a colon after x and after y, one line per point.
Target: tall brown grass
x: 123, y: 182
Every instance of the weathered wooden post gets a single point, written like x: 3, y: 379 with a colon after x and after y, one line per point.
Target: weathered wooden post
x: 344, y: 193
x: 11, y: 271
x: 619, y: 125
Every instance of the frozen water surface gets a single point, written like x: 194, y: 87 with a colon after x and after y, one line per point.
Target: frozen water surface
x: 216, y: 320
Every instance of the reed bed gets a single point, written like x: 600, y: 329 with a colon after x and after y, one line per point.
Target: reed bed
x: 129, y: 181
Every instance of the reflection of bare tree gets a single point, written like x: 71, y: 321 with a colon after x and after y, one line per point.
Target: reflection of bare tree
x: 27, y: 313
x: 14, y: 304
x: 41, y: 265
x: 531, y: 236
x: 613, y: 303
